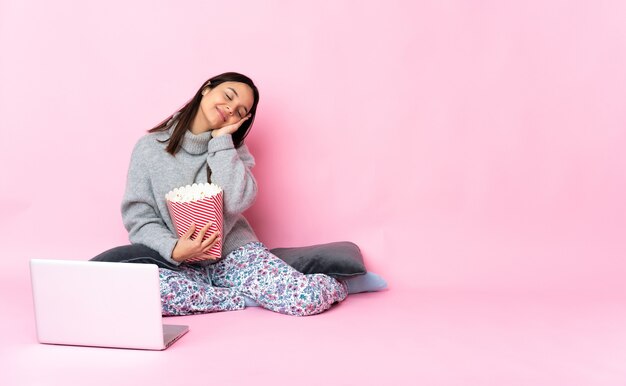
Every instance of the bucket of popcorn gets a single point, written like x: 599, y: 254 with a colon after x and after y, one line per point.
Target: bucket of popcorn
x: 198, y: 203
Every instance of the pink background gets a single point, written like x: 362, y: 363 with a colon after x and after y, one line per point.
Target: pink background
x: 458, y: 143
x: 464, y: 145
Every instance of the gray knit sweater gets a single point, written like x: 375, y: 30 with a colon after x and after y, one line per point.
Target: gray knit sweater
x: 153, y: 172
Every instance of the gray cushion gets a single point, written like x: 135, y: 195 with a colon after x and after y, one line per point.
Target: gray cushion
x: 338, y: 259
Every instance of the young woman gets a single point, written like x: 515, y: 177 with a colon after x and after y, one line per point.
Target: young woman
x: 202, y: 141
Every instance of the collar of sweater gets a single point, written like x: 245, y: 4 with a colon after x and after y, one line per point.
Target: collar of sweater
x: 192, y: 143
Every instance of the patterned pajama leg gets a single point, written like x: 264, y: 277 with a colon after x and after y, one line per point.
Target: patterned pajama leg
x: 255, y: 272
x: 189, y: 291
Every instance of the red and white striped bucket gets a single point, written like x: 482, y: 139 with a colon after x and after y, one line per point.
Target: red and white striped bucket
x: 200, y: 212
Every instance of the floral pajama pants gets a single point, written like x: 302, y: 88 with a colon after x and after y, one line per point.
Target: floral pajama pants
x: 254, y: 272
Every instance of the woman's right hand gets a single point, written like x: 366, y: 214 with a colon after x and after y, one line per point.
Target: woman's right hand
x: 186, y: 247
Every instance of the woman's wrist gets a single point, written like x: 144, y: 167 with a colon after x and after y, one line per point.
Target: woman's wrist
x: 176, y: 255
x: 216, y: 133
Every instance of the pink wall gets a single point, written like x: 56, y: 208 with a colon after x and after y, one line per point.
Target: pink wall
x: 460, y: 144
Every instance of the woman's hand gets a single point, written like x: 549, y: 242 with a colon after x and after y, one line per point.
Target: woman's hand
x: 229, y: 129
x: 186, y: 248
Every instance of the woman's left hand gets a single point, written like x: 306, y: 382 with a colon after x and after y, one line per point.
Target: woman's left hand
x: 230, y: 129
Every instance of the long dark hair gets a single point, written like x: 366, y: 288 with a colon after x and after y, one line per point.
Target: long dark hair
x: 189, y: 110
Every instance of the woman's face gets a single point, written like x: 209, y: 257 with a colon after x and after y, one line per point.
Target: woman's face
x: 226, y: 104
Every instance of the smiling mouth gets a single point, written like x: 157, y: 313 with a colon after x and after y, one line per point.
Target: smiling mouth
x: 221, y: 114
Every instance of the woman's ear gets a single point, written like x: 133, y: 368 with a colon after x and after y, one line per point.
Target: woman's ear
x: 206, y: 89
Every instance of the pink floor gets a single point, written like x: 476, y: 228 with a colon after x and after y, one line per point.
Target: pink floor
x: 396, y: 337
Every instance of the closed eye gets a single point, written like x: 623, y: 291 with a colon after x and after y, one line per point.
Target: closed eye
x: 230, y: 98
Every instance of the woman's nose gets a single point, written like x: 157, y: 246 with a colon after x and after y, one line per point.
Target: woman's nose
x: 230, y: 111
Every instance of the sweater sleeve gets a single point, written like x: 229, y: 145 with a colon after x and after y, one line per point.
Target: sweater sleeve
x: 231, y: 170
x: 139, y: 210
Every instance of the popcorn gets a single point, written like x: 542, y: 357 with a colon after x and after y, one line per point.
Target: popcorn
x: 198, y: 203
x: 193, y: 192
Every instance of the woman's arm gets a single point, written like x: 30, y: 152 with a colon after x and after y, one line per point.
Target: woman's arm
x: 231, y: 170
x: 139, y: 210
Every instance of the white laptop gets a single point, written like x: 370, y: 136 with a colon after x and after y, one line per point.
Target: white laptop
x: 91, y: 303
